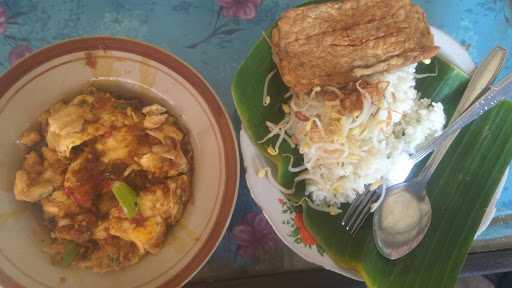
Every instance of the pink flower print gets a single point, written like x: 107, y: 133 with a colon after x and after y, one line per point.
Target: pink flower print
x: 243, y: 9
x: 3, y: 20
x: 254, y: 236
x: 232, y: 10
x: 21, y: 50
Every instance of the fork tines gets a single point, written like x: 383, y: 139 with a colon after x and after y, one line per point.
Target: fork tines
x: 359, y: 210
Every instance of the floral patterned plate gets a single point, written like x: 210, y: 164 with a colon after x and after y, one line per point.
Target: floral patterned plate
x: 287, y: 220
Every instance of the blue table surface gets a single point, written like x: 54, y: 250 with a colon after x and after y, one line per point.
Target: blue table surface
x: 188, y: 28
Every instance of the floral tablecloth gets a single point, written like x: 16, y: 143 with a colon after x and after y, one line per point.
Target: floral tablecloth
x: 214, y: 36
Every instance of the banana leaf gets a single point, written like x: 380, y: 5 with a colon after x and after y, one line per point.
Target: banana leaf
x: 247, y: 89
x: 460, y: 189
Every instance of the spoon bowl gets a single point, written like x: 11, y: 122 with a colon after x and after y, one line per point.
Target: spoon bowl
x: 407, y: 218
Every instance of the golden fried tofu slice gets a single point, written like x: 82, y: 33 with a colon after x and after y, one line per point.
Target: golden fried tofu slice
x: 69, y: 119
x: 112, y: 112
x: 122, y: 144
x: 155, y: 164
x: 53, y: 164
x: 154, y: 109
x: 84, y: 178
x: 25, y: 186
x: 58, y: 204
x: 338, y: 42
x: 38, y: 179
x: 83, y: 118
x: 63, y: 143
x: 166, y: 132
x: 67, y: 127
x: 147, y: 233
x: 102, y: 231
x: 165, y: 160
x: 161, y: 166
x: 78, y: 228
x: 154, y: 121
x: 26, y: 190
x: 30, y: 137
x: 154, y: 116
x: 166, y: 200
x: 112, y: 254
x: 106, y: 202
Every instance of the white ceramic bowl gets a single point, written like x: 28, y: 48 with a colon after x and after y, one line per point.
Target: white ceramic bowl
x: 64, y: 69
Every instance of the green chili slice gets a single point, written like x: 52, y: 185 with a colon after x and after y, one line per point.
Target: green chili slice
x: 70, y: 252
x: 126, y: 197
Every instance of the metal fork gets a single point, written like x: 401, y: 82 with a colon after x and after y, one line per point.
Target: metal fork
x: 360, y: 209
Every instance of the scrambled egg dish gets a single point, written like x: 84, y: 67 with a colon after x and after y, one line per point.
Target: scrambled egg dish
x: 111, y: 176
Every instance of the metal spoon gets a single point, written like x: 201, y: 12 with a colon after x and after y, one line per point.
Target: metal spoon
x: 403, y: 218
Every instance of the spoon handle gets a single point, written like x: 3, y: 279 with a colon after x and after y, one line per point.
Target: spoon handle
x: 489, y: 100
x: 482, y: 77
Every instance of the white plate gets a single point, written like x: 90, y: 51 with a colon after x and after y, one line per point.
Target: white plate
x: 270, y: 200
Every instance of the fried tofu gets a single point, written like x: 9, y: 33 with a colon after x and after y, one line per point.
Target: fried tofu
x: 154, y: 121
x: 147, y: 233
x: 159, y: 165
x: 39, y: 178
x: 66, y: 127
x: 166, y: 133
x: 84, y: 178
x: 164, y: 160
x: 78, y: 228
x: 166, y: 201
x: 122, y: 145
x: 112, y: 254
x: 102, y: 231
x: 85, y: 118
x: 334, y: 43
x: 58, y: 204
x: 113, y: 113
x: 30, y: 137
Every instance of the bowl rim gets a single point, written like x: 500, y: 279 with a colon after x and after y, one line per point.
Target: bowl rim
x: 194, y: 78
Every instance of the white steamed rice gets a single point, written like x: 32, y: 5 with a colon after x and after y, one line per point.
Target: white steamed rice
x: 339, y: 166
